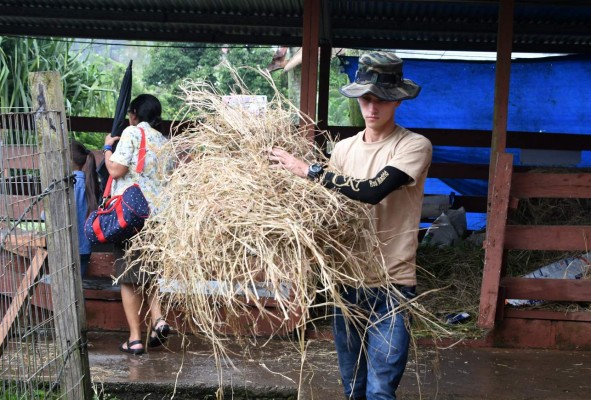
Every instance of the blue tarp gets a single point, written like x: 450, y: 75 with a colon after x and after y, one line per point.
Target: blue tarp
x: 551, y: 94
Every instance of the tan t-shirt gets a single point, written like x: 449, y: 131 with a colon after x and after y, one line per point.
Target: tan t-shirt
x: 397, y: 217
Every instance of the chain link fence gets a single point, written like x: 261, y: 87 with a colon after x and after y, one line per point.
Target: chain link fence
x: 42, y: 329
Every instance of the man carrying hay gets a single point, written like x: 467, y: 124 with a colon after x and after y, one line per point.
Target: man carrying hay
x: 384, y: 165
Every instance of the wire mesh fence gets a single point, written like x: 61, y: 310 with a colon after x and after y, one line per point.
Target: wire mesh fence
x: 42, y: 340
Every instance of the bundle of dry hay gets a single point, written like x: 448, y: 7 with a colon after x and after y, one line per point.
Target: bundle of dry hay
x: 231, y: 222
x: 233, y: 228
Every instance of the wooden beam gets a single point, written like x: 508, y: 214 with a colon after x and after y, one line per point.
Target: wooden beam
x: 544, y: 237
x: 19, y: 157
x: 471, y: 203
x: 21, y: 185
x: 16, y: 206
x: 547, y: 185
x: 21, y: 295
x: 103, y: 125
x: 324, y: 86
x: 62, y: 232
x: 480, y: 138
x: 579, y: 316
x: 438, y: 137
x: 456, y: 170
x: 502, y: 75
x: 547, y: 289
x: 495, y: 238
x: 22, y: 243
x: 502, y: 79
x: 310, y: 63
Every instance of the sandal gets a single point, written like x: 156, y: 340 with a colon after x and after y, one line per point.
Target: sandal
x: 128, y: 349
x: 161, y: 333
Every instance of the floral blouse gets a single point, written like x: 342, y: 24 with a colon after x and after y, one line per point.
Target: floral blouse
x: 152, y: 179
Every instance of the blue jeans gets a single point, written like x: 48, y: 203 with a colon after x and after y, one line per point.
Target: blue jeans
x: 372, y: 357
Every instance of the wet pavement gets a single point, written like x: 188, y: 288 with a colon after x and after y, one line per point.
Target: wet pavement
x: 275, y: 371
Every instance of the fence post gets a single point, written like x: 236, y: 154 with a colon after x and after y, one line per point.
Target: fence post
x: 62, y: 239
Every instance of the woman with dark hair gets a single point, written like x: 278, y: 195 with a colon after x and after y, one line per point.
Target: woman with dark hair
x: 86, y: 195
x: 144, y: 116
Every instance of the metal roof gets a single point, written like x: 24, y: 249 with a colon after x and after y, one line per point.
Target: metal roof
x: 540, y: 26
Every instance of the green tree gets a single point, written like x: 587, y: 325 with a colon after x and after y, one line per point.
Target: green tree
x: 338, y: 105
x: 171, y: 65
x: 246, y: 60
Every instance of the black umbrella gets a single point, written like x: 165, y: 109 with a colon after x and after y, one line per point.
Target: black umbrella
x: 119, y: 120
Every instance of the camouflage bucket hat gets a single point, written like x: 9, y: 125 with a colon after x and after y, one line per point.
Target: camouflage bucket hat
x: 380, y: 73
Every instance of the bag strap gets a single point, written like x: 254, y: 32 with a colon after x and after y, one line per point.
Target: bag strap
x: 141, y: 158
x: 140, y: 163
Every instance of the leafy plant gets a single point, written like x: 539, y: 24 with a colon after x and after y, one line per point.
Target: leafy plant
x: 90, y: 81
x: 85, y: 83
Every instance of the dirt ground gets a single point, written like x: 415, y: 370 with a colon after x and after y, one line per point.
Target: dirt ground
x: 275, y: 371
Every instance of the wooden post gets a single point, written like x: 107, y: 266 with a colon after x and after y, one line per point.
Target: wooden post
x: 495, y: 240
x: 62, y: 236
x: 310, y: 62
x: 502, y: 76
x: 324, y: 86
x: 495, y: 229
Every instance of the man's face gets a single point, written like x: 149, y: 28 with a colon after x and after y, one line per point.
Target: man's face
x: 377, y: 113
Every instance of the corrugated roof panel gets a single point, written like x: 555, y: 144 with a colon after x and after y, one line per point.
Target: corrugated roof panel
x: 540, y: 26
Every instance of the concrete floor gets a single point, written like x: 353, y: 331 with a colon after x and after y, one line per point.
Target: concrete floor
x: 274, y: 371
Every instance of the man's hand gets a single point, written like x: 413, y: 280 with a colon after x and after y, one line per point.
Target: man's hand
x: 286, y: 161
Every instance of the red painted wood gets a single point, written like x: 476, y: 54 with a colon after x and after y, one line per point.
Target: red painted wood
x: 16, y: 206
x: 21, y: 294
x: 542, y: 333
x: 20, y: 157
x: 502, y: 77
x: 580, y: 316
x: 104, y: 315
x: 541, y: 185
x: 101, y: 294
x: 40, y: 296
x: 495, y: 234
x: 543, y: 237
x: 309, y: 73
x: 480, y: 138
x: 524, y: 333
x: 547, y: 289
x: 101, y: 265
x: 573, y: 336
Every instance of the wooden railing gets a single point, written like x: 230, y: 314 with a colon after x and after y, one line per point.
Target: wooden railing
x: 508, y: 189
x: 20, y: 157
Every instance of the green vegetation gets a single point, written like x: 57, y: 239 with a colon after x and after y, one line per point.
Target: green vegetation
x: 92, y: 75
x: 170, y: 66
x: 89, y: 81
x: 14, y: 393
